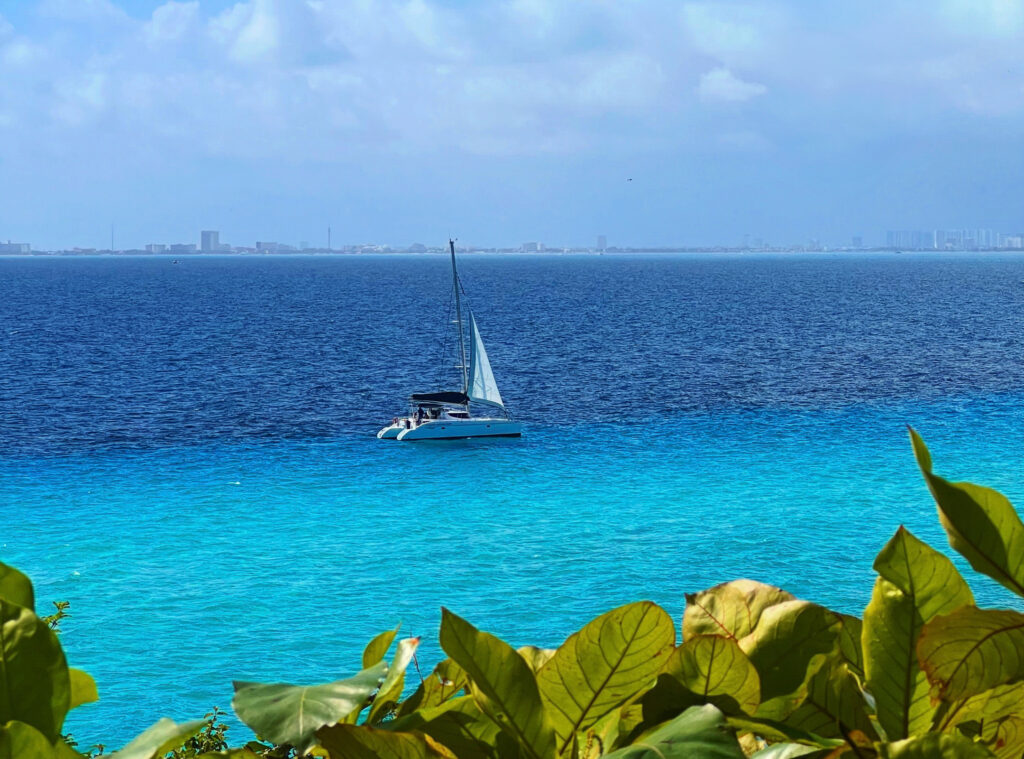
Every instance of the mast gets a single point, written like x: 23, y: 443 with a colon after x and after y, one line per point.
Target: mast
x: 458, y: 318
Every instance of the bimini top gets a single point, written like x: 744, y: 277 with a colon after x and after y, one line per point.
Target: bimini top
x: 460, y: 399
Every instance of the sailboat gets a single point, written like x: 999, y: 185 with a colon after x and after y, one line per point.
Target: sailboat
x: 476, y: 410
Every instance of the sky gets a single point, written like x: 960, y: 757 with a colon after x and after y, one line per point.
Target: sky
x: 653, y: 122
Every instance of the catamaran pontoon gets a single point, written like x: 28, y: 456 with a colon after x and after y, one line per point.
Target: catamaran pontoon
x: 476, y: 411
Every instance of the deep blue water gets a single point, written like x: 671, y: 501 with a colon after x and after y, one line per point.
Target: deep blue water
x: 187, y: 451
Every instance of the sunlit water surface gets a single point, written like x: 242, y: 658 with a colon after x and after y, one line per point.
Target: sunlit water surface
x: 188, y: 451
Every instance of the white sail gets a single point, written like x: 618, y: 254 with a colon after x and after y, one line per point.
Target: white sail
x: 482, y: 386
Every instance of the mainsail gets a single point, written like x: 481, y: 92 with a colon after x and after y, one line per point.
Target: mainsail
x: 482, y: 387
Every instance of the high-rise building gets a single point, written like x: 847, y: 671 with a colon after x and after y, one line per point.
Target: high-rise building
x: 156, y: 247
x: 15, y: 247
x: 209, y: 240
x: 602, y: 242
x: 530, y: 247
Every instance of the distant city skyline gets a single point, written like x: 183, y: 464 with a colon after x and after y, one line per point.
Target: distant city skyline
x: 209, y: 242
x: 661, y: 123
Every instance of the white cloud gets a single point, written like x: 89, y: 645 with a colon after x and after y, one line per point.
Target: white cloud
x: 733, y: 32
x: 720, y: 84
x: 81, y: 10
x: 996, y: 18
x: 315, y: 78
x: 172, y: 21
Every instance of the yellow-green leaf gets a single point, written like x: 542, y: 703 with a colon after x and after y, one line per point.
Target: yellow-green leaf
x: 378, y: 647
x: 716, y: 669
x: 21, y: 741
x: 732, y: 609
x: 916, y: 583
x: 83, y: 688
x: 981, y: 523
x: 773, y: 731
x: 988, y: 706
x: 503, y: 684
x: 789, y: 643
x: 360, y: 742
x: 1007, y: 739
x: 791, y: 751
x: 35, y: 687
x: 850, y: 643
x: 460, y: 725
x: 16, y: 588
x: 536, y: 657
x: 934, y: 746
x: 971, y: 650
x: 612, y: 660
x: 391, y: 689
x: 834, y: 705
x: 445, y: 682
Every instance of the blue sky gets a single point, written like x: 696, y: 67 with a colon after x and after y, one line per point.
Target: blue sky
x: 400, y: 121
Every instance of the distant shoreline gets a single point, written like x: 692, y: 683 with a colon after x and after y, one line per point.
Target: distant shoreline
x: 476, y: 251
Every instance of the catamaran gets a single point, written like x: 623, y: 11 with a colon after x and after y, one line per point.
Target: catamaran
x: 476, y: 410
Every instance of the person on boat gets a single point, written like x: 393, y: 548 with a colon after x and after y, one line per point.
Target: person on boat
x: 419, y: 415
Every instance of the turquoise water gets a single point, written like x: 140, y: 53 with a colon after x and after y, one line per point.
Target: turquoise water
x: 196, y: 549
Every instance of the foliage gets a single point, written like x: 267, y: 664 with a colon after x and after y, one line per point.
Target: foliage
x: 53, y: 620
x: 211, y: 737
x: 754, y: 672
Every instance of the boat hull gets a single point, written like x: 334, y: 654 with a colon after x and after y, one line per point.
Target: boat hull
x: 390, y: 432
x: 453, y: 429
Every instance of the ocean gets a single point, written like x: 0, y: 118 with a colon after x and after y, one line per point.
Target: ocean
x: 187, y: 451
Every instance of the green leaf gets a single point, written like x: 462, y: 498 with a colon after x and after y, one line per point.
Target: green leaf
x: 700, y: 731
x: 445, y: 682
x: 291, y: 714
x: 535, y: 657
x: 391, y: 689
x: 159, y: 739
x: 21, y: 741
x: 732, y: 609
x: 83, y: 688
x: 916, y: 583
x: 35, y: 687
x: 610, y: 661
x: 934, y: 746
x: 378, y: 647
x: 971, y: 650
x: 981, y: 523
x: 789, y: 643
x: 715, y: 668
x: 16, y: 588
x: 361, y: 742
x: 502, y: 684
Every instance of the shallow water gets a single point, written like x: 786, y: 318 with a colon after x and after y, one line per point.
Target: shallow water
x: 189, y: 456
